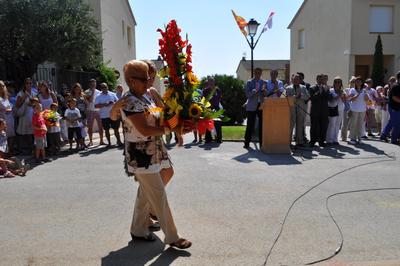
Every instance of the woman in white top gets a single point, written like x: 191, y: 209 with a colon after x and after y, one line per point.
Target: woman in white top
x: 24, y: 111
x: 46, y: 97
x: 358, y: 106
x: 7, y: 114
x: 336, y: 110
x: 143, y: 155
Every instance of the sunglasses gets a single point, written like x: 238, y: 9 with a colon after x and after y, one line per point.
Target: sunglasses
x: 142, y: 79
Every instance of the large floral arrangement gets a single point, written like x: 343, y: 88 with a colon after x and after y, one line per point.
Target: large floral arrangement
x: 50, y: 118
x: 181, y: 99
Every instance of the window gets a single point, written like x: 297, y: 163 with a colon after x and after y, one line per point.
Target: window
x: 123, y: 28
x: 129, y: 35
x: 301, y: 39
x: 381, y: 19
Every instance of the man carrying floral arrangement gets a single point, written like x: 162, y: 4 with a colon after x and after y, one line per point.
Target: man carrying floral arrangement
x: 214, y: 93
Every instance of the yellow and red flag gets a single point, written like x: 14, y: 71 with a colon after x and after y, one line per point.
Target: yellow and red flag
x: 241, y: 22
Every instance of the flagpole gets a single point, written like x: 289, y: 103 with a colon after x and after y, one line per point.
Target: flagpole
x: 247, y: 40
x: 252, y: 26
x: 258, y: 39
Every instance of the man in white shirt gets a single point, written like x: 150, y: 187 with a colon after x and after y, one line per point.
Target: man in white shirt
x: 92, y: 113
x: 105, y: 101
x: 119, y: 90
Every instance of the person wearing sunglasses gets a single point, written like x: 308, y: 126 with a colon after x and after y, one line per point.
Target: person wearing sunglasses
x: 104, y: 102
x: 143, y: 155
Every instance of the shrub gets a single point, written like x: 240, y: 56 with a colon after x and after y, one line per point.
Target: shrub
x: 107, y: 75
x: 233, y: 97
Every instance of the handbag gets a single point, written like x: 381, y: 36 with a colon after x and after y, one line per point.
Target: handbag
x: 333, y: 111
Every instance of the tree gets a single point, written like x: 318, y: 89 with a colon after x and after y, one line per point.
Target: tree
x: 233, y: 97
x: 61, y: 31
x: 378, y: 70
x: 107, y: 75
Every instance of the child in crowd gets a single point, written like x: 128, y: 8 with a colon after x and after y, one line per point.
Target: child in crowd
x: 72, y: 116
x: 12, y: 166
x: 39, y: 133
x: 53, y: 131
x: 3, y: 137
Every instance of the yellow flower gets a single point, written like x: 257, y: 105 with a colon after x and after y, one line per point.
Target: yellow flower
x: 193, y: 80
x: 182, y: 58
x: 156, y: 110
x: 205, y: 102
x: 173, y: 106
x: 164, y: 72
x: 195, y: 110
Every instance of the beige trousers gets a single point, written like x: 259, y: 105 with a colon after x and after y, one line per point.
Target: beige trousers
x: 298, y: 118
x: 151, y: 192
x: 356, y: 122
x: 345, y: 125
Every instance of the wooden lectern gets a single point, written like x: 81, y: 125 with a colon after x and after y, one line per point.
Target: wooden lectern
x: 276, y: 125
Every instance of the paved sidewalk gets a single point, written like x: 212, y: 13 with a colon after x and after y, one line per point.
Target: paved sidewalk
x: 229, y: 201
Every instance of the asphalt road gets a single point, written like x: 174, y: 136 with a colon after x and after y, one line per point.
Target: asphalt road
x: 229, y: 201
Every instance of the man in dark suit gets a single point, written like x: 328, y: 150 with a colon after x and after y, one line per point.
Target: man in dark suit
x: 255, y: 93
x: 302, y: 82
x: 215, y: 102
x: 319, y: 95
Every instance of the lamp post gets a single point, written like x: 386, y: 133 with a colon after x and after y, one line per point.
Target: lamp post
x: 252, y: 29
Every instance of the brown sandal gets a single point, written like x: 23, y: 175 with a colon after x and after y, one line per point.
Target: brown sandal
x: 181, y: 244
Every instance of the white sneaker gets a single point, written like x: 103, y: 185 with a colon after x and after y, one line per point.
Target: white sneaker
x: 352, y: 142
x: 360, y: 141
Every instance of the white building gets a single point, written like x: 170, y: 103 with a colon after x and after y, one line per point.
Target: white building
x: 243, y: 70
x: 117, y: 28
x: 338, y: 37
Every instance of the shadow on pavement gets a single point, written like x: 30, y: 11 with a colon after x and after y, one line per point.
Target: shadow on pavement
x: 209, y: 146
x: 169, y: 255
x: 335, y: 152
x: 371, y: 149
x: 338, y: 152
x: 98, y: 150
x: 140, y: 253
x: 278, y: 159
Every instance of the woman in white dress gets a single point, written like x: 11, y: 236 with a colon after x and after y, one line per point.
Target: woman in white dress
x: 24, y: 111
x: 46, y: 97
x: 336, y: 110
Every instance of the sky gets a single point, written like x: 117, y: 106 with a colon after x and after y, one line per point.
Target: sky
x: 218, y: 45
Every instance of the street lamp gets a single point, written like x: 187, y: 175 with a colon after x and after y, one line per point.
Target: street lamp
x: 252, y: 29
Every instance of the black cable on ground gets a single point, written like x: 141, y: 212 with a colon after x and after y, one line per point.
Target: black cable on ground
x: 391, y: 158
x: 336, y: 224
